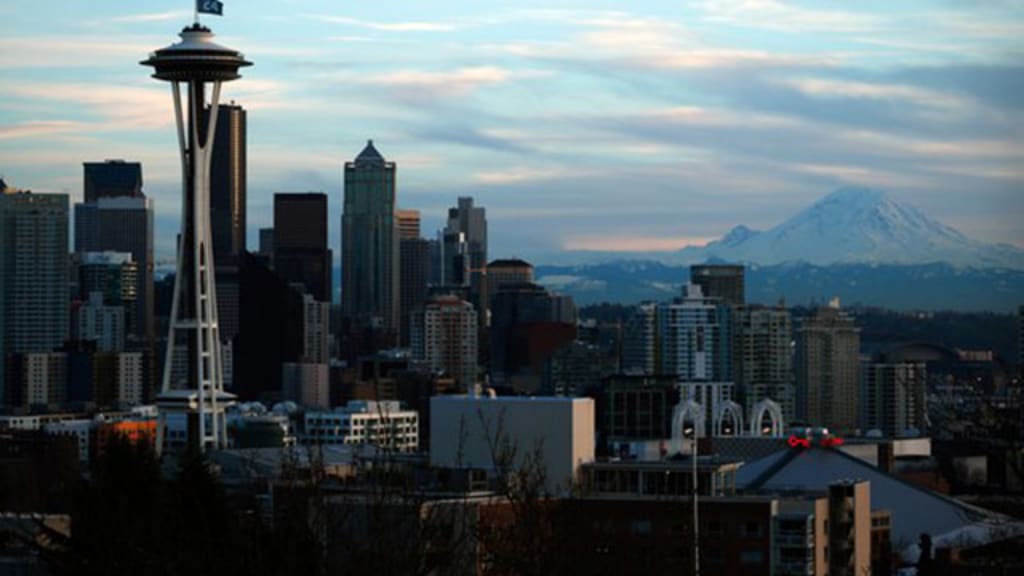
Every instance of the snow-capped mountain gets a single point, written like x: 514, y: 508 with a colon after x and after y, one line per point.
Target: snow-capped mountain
x: 856, y: 225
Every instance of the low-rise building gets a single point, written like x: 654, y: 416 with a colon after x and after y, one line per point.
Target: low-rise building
x: 383, y: 424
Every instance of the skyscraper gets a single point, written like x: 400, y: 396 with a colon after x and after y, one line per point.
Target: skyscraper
x: 444, y: 338
x: 228, y: 184
x: 827, y: 369
x: 33, y: 273
x: 693, y: 338
x: 640, y: 341
x: 471, y: 222
x: 414, y: 258
x: 507, y: 271
x: 227, y: 211
x: 119, y: 218
x: 528, y: 325
x: 112, y: 179
x: 762, y: 364
x: 722, y: 281
x: 369, y: 244
x: 408, y: 224
x: 301, y: 255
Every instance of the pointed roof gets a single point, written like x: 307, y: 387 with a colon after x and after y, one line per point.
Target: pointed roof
x: 370, y: 154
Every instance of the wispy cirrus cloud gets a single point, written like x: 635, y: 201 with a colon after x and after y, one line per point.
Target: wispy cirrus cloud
x: 407, y: 26
x: 32, y: 128
x: 783, y: 17
x: 152, y: 17
x: 77, y: 52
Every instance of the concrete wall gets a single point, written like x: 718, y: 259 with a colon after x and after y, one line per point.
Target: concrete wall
x: 467, y: 432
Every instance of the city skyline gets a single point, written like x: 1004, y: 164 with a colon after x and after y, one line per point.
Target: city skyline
x: 576, y: 126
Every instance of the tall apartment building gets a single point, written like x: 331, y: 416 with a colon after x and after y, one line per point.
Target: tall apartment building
x: 893, y: 396
x: 693, y: 338
x: 827, y: 365
x: 444, y: 339
x: 306, y: 383
x: 301, y: 255
x: 33, y: 274
x: 369, y: 244
x: 722, y: 281
x: 640, y: 340
x: 316, y: 330
x: 762, y: 363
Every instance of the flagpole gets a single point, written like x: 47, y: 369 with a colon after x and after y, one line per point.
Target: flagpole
x: 195, y: 11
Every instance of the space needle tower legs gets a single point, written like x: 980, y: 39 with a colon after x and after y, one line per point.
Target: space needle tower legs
x: 192, y: 387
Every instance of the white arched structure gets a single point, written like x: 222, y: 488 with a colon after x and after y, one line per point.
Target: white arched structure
x: 688, y: 410
x: 732, y: 411
x: 774, y: 412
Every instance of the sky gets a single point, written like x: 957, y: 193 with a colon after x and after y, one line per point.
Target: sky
x: 579, y: 125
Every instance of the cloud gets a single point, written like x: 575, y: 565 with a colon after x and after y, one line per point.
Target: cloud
x: 419, y: 84
x: 152, y: 16
x: 633, y: 243
x: 120, y: 107
x: 780, y: 17
x: 838, y: 88
x: 409, y: 26
x: 72, y: 52
x: 41, y: 127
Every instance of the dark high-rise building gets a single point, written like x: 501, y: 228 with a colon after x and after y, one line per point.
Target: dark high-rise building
x: 227, y: 212
x: 112, y: 179
x: 271, y: 322
x: 414, y: 257
x: 33, y: 273
x: 227, y: 185
x: 123, y: 224
x: 266, y: 242
x: 471, y: 222
x: 507, y: 271
x: 722, y: 281
x: 528, y: 325
x: 301, y: 255
x: 369, y: 244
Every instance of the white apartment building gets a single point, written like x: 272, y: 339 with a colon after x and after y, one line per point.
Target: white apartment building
x: 383, y: 424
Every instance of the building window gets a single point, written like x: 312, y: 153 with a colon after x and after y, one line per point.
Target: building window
x: 640, y: 527
x: 751, y: 557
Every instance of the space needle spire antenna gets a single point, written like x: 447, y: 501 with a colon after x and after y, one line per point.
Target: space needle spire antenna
x: 192, y: 388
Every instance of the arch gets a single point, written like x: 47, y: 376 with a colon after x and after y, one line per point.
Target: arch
x: 772, y: 409
x: 686, y: 410
x: 734, y: 412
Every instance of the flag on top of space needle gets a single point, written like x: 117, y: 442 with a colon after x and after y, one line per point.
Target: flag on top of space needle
x: 210, y: 7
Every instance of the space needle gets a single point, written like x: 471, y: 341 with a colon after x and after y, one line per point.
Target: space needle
x: 192, y: 388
